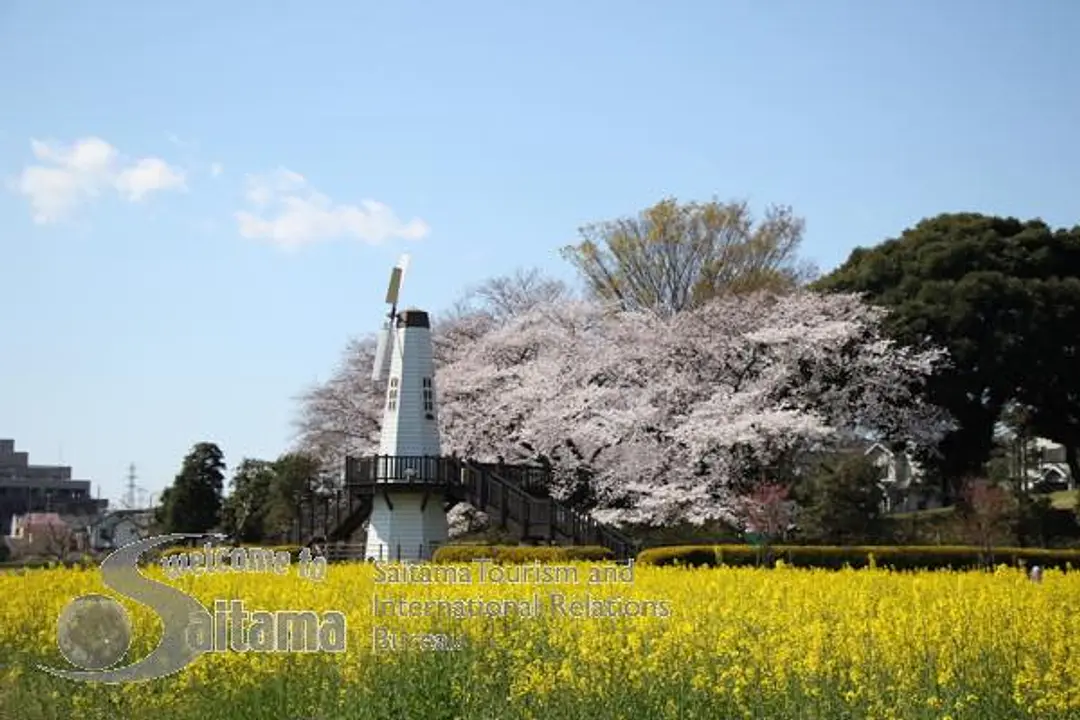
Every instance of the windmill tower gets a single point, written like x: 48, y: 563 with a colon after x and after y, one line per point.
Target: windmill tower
x: 407, y: 516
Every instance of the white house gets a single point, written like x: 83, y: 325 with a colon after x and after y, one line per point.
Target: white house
x: 120, y: 527
x: 1047, y: 467
x: 902, y: 481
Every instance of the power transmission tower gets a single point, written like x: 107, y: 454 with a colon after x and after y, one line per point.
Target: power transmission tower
x: 132, y: 488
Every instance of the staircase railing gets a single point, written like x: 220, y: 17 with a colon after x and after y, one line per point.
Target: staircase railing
x: 538, y: 517
x: 329, y: 514
x: 515, y: 494
x: 532, y: 478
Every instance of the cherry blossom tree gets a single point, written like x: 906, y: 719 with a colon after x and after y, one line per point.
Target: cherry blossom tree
x: 988, y: 511
x: 342, y: 416
x: 660, y: 418
x: 768, y: 510
x: 645, y: 417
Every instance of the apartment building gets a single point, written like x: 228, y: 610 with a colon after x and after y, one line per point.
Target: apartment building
x: 28, y: 488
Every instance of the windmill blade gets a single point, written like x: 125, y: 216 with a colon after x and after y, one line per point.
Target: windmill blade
x: 381, y: 366
x: 394, y: 287
x: 396, y: 276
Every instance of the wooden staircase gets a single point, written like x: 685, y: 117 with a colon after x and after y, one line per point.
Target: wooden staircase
x: 515, y: 498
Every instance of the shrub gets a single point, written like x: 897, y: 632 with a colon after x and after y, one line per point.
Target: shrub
x: 686, y: 555
x: 840, y: 501
x: 512, y: 554
x: 956, y: 557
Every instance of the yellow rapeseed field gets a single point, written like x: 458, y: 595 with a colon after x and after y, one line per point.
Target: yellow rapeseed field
x: 748, y: 643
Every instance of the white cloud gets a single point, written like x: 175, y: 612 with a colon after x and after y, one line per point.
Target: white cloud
x: 148, y: 175
x: 290, y: 213
x: 72, y: 174
x: 216, y: 169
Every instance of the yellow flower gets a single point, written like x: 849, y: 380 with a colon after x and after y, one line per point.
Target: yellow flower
x: 888, y: 645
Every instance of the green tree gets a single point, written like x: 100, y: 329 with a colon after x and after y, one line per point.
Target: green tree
x: 245, y: 510
x: 675, y: 256
x: 1051, y: 390
x: 840, y: 503
x: 193, y: 503
x: 1003, y: 297
x: 295, y: 476
x: 161, y: 510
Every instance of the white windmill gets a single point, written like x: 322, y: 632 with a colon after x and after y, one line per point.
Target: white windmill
x: 407, y: 516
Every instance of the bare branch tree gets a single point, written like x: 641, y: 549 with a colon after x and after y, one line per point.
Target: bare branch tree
x: 988, y: 509
x: 676, y: 256
x: 491, y: 304
x: 508, y: 296
x: 59, y: 539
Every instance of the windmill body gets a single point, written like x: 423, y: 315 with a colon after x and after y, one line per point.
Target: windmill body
x: 409, y: 427
x: 406, y: 521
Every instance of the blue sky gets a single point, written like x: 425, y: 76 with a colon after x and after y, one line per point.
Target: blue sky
x: 143, y: 314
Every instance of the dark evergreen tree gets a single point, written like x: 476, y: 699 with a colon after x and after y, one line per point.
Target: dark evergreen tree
x: 1003, y: 297
x: 245, y: 510
x: 193, y: 503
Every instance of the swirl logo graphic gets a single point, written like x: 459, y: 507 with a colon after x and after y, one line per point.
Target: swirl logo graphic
x: 94, y: 632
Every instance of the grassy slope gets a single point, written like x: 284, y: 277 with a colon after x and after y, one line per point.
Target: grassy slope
x: 1063, y: 500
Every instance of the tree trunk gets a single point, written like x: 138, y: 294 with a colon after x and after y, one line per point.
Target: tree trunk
x: 1073, y: 461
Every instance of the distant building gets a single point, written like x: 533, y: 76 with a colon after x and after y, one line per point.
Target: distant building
x: 120, y: 527
x: 902, y: 481
x: 26, y: 488
x: 1045, y: 468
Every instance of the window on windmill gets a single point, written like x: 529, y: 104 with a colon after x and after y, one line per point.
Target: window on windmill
x: 429, y: 397
x: 391, y: 403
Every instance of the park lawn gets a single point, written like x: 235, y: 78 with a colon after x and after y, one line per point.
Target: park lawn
x: 1063, y: 500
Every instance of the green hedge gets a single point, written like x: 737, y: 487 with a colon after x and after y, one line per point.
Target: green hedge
x: 521, y: 553
x: 956, y: 557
